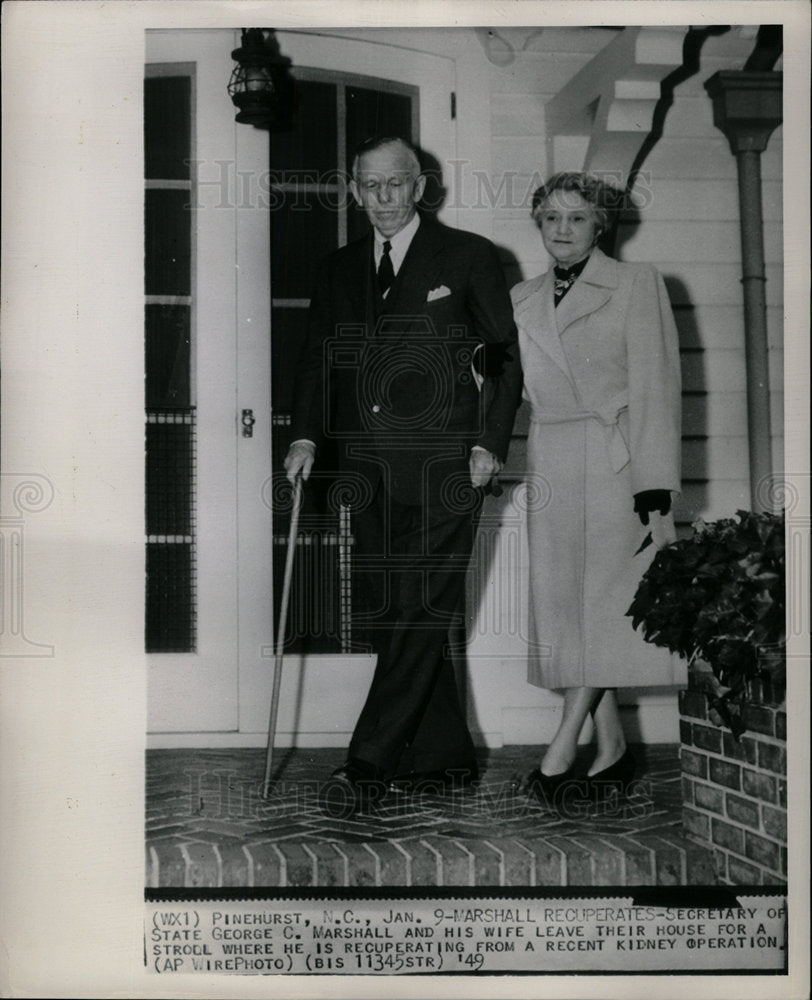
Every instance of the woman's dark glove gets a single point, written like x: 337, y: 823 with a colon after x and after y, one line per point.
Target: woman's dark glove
x: 649, y: 500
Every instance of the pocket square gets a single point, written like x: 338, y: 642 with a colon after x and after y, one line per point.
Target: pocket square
x: 438, y: 293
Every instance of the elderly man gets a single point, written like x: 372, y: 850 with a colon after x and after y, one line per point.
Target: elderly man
x: 395, y: 322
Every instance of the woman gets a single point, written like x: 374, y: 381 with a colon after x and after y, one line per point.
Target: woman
x: 601, y: 366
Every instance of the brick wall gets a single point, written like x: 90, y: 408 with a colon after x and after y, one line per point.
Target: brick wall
x: 735, y: 793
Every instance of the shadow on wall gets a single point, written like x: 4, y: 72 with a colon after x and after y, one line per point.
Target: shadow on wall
x: 695, y: 458
x: 435, y: 192
x: 695, y: 39
x: 434, y: 197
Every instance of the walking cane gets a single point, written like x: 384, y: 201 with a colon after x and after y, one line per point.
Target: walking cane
x: 280, y: 634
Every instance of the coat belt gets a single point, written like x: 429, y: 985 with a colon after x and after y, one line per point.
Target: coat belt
x: 608, y: 416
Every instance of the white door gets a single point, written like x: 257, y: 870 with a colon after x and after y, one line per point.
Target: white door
x: 193, y: 683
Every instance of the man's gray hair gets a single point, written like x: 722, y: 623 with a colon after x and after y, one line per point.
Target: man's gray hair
x: 378, y: 142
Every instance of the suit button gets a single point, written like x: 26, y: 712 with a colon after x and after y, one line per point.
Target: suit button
x: 376, y: 408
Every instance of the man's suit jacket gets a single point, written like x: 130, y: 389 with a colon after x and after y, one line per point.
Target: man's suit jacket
x: 392, y: 382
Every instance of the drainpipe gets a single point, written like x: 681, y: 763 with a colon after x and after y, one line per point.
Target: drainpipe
x: 747, y: 108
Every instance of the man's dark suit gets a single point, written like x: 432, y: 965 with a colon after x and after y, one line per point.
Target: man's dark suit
x: 391, y: 382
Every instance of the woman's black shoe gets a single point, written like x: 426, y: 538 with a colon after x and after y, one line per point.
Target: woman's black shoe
x: 550, y: 789
x: 616, y: 777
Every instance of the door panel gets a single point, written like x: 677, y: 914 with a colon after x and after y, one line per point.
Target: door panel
x: 197, y: 690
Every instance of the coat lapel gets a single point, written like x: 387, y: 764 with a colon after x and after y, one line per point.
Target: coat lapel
x: 592, y: 290
x: 535, y: 315
x: 544, y: 324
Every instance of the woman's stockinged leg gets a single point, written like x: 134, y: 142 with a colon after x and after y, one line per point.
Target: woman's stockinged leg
x: 611, y: 743
x: 560, y: 754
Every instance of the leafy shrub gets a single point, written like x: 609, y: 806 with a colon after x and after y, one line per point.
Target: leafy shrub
x: 719, y: 596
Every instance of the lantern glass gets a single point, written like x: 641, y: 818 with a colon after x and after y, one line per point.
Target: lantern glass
x: 255, y: 79
x: 254, y: 86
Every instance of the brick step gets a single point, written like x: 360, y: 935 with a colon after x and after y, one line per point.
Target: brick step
x: 657, y: 857
x: 208, y: 826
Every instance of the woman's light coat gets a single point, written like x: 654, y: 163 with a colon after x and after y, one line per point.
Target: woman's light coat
x: 602, y: 376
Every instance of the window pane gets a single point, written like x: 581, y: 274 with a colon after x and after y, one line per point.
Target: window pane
x: 304, y: 228
x: 289, y: 331
x: 170, y: 611
x: 376, y: 112
x: 313, y: 623
x: 167, y: 356
x: 168, y: 236
x: 169, y: 431
x: 170, y: 475
x: 167, y: 127
x: 311, y: 146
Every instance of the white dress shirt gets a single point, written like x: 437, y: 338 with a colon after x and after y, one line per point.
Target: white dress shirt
x: 400, y: 244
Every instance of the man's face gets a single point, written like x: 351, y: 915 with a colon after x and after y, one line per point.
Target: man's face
x: 387, y: 186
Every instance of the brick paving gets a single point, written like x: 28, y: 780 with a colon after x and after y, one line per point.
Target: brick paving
x: 209, y: 826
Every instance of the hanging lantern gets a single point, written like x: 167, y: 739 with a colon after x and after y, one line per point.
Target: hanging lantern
x: 255, y: 82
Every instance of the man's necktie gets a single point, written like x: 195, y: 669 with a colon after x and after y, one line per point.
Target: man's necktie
x: 386, y: 273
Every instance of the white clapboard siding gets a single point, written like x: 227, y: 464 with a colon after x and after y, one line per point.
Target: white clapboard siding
x: 717, y: 284
x: 515, y: 115
x: 709, y: 200
x: 703, y: 458
x: 527, y: 151
x: 543, y: 73
x: 724, y: 457
x: 722, y: 327
x: 694, y: 241
x: 524, y: 241
x: 712, y: 499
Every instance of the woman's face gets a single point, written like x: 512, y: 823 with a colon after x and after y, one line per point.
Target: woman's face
x: 569, y: 226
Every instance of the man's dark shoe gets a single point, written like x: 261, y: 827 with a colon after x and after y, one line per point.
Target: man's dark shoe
x: 355, y: 787
x: 451, y: 779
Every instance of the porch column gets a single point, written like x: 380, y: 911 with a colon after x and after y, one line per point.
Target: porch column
x: 747, y: 108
